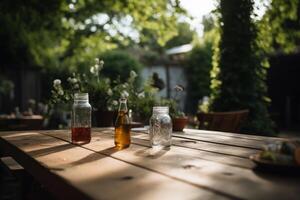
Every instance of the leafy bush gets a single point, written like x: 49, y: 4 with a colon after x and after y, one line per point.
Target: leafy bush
x: 198, y: 66
x: 119, y: 64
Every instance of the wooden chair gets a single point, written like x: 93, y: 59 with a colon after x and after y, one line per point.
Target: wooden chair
x: 222, y: 121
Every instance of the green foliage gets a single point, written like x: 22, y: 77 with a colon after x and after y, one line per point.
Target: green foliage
x: 198, y: 67
x: 280, y: 26
x: 6, y: 86
x: 184, y: 35
x: 119, y: 64
x: 238, y: 70
x: 56, y: 33
x: 27, y: 30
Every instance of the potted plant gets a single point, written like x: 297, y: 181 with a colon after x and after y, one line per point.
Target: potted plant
x: 179, y: 119
x: 102, y: 97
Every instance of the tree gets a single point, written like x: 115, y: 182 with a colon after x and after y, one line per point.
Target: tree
x: 184, y: 36
x: 61, y: 33
x: 199, y: 64
x: 279, y: 28
x: 238, y: 74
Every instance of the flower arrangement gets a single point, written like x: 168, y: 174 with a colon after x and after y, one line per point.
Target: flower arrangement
x: 98, y: 87
x: 105, y: 93
x: 179, y: 120
x: 173, y: 103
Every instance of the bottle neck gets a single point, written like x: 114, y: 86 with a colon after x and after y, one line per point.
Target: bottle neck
x: 123, y: 105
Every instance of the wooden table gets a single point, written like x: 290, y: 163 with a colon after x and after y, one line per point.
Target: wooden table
x: 199, y: 165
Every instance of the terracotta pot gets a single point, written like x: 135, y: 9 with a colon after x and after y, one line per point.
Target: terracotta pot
x: 104, y: 118
x: 179, y: 123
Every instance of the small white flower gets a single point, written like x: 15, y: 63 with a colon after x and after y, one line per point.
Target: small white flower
x: 60, y: 92
x: 115, y: 103
x: 93, y: 70
x: 124, y: 94
x: 141, y: 95
x: 76, y: 86
x: 107, y: 80
x: 133, y: 74
x: 74, y: 80
x: 97, y: 60
x: 109, y: 92
x: 124, y: 85
x: 69, y: 79
x: 56, y: 82
x: 178, y: 88
x: 101, y: 63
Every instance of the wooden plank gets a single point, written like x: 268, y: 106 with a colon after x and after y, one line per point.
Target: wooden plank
x: 208, y: 146
x: 223, y: 138
x: 73, y: 172
x: 233, y: 135
x: 240, y: 161
x: 179, y: 164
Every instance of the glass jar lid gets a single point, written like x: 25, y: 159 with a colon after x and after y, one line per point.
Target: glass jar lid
x: 81, y: 97
x: 160, y: 110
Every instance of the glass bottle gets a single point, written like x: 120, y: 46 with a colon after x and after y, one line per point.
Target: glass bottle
x: 81, y: 119
x: 160, y: 130
x: 122, y: 126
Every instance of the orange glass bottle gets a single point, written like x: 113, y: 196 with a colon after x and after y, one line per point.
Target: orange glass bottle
x: 122, y: 126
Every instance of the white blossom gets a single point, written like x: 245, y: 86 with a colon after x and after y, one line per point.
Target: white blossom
x: 133, y: 74
x: 125, y: 85
x: 76, y: 86
x: 107, y: 80
x: 74, y: 80
x: 56, y: 82
x: 109, y: 92
x: 125, y: 94
x: 60, y: 92
x: 141, y: 95
x: 101, y: 63
x: 93, y: 70
x: 115, y: 103
x: 178, y: 88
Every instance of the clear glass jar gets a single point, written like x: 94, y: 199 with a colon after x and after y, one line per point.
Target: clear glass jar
x: 160, y: 130
x: 81, y: 119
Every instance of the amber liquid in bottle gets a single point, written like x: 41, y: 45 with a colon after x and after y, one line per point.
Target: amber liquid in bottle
x: 122, y: 127
x: 81, y: 135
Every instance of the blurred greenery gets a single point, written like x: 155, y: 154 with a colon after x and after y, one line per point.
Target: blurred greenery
x: 279, y: 29
x: 118, y: 64
x: 198, y: 66
x: 185, y: 35
x: 62, y: 37
x: 66, y: 34
x: 6, y: 86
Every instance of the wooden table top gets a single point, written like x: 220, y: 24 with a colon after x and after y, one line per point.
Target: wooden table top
x: 199, y: 165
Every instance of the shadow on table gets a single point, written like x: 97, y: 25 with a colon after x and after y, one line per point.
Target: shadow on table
x: 95, y: 156
x: 275, y: 174
x: 152, y: 152
x: 50, y: 150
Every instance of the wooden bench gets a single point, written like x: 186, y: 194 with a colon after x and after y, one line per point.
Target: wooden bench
x: 222, y: 121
